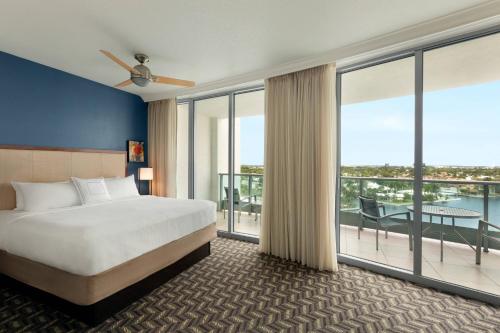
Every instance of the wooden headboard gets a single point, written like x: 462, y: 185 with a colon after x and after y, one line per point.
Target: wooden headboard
x: 44, y: 164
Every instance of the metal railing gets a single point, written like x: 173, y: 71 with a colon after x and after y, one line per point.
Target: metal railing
x: 484, y: 185
x: 482, y: 236
x: 249, y: 185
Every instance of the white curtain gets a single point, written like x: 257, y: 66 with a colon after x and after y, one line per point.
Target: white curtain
x: 299, y: 170
x: 162, y: 146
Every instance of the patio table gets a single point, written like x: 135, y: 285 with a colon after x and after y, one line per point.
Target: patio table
x: 256, y: 207
x: 450, y: 212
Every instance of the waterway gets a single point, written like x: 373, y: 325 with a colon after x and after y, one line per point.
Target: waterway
x: 467, y: 202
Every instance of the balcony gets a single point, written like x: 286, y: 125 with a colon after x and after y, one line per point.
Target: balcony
x: 247, y: 210
x: 458, y: 264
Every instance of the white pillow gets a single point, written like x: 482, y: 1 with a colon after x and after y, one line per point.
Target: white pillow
x: 35, y: 197
x: 19, y: 197
x: 121, y: 187
x: 91, y: 190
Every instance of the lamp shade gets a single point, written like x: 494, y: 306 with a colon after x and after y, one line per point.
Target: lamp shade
x: 145, y: 173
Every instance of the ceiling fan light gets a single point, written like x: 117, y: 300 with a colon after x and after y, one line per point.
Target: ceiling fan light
x: 140, y: 81
x: 140, y: 74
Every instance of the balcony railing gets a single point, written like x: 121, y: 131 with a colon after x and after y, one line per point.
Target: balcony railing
x: 249, y: 185
x: 397, y: 193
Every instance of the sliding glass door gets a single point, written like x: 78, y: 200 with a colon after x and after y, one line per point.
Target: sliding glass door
x: 461, y: 139
x: 211, y: 147
x: 248, y: 161
x: 228, y: 156
x: 419, y: 136
x: 377, y: 143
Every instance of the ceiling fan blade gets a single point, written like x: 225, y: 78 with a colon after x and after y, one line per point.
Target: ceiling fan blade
x: 171, y: 80
x: 123, y: 84
x: 119, y: 62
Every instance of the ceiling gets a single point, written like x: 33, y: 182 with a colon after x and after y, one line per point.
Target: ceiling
x: 246, y: 105
x: 472, y: 62
x: 204, y: 41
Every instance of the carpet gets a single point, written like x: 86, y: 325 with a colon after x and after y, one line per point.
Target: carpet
x: 237, y: 290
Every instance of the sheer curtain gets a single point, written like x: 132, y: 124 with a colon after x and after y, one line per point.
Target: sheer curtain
x: 299, y: 170
x: 162, y: 146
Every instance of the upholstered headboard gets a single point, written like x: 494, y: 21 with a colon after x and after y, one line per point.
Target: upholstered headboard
x: 41, y: 164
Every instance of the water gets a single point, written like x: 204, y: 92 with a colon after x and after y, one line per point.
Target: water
x: 472, y: 203
x: 475, y: 203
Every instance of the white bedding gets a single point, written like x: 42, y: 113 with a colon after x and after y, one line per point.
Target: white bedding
x: 87, y: 240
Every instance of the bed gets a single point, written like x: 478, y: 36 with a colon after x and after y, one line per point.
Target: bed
x: 95, y: 259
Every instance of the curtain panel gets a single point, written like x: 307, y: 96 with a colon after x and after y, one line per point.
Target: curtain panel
x: 162, y: 146
x: 299, y: 189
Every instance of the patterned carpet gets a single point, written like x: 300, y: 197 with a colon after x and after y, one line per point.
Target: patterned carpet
x: 236, y: 290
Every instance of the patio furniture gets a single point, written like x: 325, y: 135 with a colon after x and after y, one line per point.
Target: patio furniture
x: 239, y: 202
x: 451, y: 212
x: 256, y: 207
x: 370, y: 211
x: 482, y: 232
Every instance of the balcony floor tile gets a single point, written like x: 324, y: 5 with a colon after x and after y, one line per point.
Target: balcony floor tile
x: 458, y: 266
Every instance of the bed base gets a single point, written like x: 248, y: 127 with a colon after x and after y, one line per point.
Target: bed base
x: 96, y: 313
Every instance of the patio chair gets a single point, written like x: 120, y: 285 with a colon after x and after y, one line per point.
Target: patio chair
x: 239, y: 203
x: 370, y: 212
x: 482, y: 233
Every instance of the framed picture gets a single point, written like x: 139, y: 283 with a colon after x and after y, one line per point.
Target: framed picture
x: 135, y: 151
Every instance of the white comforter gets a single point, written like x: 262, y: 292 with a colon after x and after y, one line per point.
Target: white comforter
x: 87, y: 240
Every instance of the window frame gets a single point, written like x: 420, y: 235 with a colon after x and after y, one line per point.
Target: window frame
x: 415, y: 276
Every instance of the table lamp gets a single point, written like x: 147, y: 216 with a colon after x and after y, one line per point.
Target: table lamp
x: 145, y: 174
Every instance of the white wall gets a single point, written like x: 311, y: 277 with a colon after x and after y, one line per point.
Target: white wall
x: 223, y: 143
x: 221, y: 152
x: 202, y: 157
x: 182, y: 151
x: 211, y: 154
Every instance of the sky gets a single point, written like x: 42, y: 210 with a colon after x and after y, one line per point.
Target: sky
x: 252, y: 140
x: 461, y: 127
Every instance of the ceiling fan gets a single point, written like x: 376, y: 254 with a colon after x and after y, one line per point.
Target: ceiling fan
x: 141, y: 75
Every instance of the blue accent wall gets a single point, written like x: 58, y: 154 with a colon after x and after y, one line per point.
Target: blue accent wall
x: 43, y: 106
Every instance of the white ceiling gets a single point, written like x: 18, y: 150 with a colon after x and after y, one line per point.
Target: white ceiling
x: 198, y: 40
x: 468, y: 63
x: 246, y: 105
